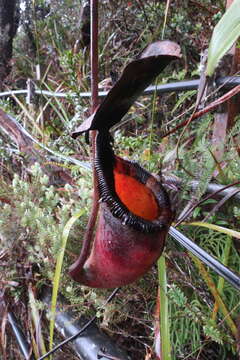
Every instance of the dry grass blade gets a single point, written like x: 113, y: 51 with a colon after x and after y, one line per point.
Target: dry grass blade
x: 217, y: 297
x: 36, y: 320
x: 3, y: 335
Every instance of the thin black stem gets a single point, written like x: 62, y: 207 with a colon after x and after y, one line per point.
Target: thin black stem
x: 71, y: 338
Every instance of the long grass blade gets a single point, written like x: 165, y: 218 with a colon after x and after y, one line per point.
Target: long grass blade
x: 164, y: 318
x: 58, y: 269
x: 165, y: 18
x: 218, y: 228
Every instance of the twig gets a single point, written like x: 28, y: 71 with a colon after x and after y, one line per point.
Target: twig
x: 102, y: 354
x: 220, y: 203
x: 205, y: 199
x: 207, y: 109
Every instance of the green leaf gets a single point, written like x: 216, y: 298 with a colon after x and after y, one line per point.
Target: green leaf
x: 177, y: 296
x: 224, y: 35
x: 213, y: 333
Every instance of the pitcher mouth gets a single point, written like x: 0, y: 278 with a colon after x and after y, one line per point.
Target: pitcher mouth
x: 132, y: 194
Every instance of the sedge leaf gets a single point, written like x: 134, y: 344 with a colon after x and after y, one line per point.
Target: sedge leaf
x: 224, y: 35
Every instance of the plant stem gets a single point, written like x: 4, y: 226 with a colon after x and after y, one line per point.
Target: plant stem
x: 151, y: 126
x: 165, y: 18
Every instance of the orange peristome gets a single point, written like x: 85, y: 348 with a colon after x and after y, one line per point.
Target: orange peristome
x: 136, y: 196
